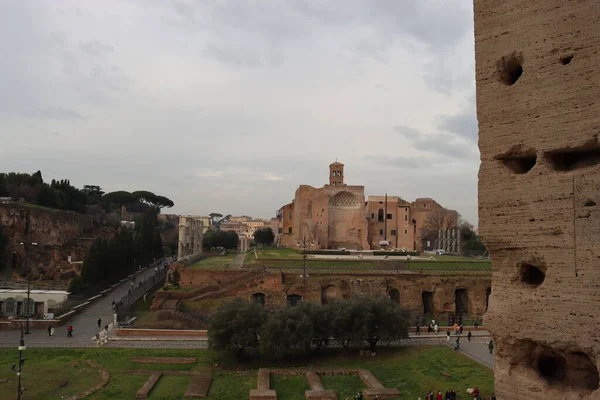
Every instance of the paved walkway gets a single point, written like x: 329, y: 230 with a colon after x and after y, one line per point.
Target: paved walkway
x: 85, y: 324
x: 238, y: 261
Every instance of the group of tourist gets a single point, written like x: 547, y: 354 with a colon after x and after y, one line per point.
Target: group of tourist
x: 451, y: 395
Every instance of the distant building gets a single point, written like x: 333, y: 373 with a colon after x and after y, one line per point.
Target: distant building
x: 337, y: 216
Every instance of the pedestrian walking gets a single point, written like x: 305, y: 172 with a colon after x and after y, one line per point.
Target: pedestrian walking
x: 99, y: 322
x: 145, y: 296
x: 418, y: 329
x: 106, y: 329
x: 460, y: 329
x: 438, y: 396
x: 52, y: 330
x: 491, y: 346
x: 457, y: 343
x: 436, y: 329
x: 69, y: 331
x: 469, y: 336
x: 49, y: 330
x: 448, y: 335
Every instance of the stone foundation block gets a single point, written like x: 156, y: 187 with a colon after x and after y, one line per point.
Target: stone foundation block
x: 258, y: 394
x: 320, y: 395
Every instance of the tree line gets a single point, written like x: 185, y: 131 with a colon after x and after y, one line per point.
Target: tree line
x: 110, y: 260
x: 238, y: 326
x: 60, y: 194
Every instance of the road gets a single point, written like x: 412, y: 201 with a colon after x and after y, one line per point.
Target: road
x: 85, y: 325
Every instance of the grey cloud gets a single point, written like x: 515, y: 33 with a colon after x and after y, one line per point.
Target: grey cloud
x: 95, y: 48
x: 47, y: 112
x: 442, y: 144
x: 398, y: 161
x: 464, y: 124
x: 239, y: 56
x: 183, y: 9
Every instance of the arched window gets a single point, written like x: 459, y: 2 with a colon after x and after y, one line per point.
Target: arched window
x: 259, y: 298
x: 10, y: 306
x: 395, y: 295
x: 380, y: 215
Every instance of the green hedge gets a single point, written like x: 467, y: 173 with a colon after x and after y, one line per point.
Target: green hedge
x: 329, y: 252
x: 395, y: 253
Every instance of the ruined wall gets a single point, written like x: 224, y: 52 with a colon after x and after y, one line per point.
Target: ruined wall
x: 538, y: 107
x: 277, y: 286
x: 59, y: 234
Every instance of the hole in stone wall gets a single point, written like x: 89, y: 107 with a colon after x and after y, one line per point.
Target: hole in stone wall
x: 564, y: 60
x: 551, y: 367
x: 571, y: 370
x: 510, y: 68
x: 518, y: 160
x: 532, y: 275
x: 589, y: 203
x: 573, y: 158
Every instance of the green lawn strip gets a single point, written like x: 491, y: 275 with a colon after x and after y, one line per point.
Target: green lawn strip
x: 120, y: 386
x: 216, y: 260
x: 232, y: 384
x: 279, y: 253
x: 62, y: 375
x: 170, y: 387
x: 416, y: 265
x: 289, y: 387
x: 344, y: 385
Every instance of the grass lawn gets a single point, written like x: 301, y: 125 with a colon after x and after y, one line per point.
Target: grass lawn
x: 279, y: 253
x: 216, y: 262
x: 413, y: 370
x: 475, y: 266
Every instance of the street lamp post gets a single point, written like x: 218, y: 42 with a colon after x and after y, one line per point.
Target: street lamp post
x: 21, y: 348
x: 28, y: 305
x: 304, y: 274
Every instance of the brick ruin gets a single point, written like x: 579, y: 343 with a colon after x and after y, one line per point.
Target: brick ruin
x: 538, y: 107
x: 439, y: 295
x: 338, y: 216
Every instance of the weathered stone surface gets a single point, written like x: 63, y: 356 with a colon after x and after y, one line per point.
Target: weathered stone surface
x: 144, y: 392
x: 369, y: 379
x: 320, y: 394
x: 59, y: 234
x: 257, y: 394
x: 199, y: 387
x: 539, y: 113
x: 314, y: 381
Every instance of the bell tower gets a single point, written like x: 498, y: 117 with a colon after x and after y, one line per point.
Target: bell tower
x: 336, y: 174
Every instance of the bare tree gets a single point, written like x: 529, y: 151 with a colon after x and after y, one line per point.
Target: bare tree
x: 436, y: 220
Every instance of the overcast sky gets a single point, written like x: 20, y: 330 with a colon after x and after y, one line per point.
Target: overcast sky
x: 227, y: 106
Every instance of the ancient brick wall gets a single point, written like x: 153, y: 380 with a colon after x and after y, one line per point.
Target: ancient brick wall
x: 538, y: 105
x: 410, y: 287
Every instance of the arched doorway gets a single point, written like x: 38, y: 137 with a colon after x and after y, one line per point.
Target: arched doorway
x: 259, y: 298
x: 328, y: 294
x: 394, y: 295
x: 488, y: 293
